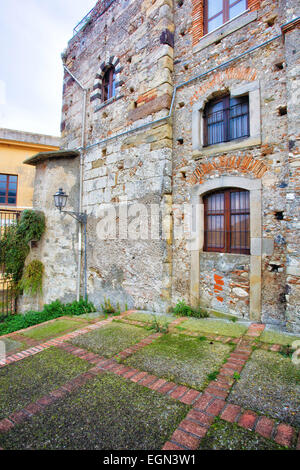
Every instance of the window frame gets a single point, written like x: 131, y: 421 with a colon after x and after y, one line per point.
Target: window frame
x: 226, y: 118
x: 226, y: 213
x: 6, y: 203
x: 225, y: 13
x: 110, y: 84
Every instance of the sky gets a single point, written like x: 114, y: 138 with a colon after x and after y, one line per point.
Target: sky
x: 33, y: 34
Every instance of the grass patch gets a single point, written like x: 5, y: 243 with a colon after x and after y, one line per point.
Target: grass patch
x: 229, y: 436
x: 111, y: 339
x: 106, y: 413
x: 217, y: 327
x: 28, y: 380
x: 274, y: 337
x: 181, y: 359
x: 269, y: 383
x: 56, y: 328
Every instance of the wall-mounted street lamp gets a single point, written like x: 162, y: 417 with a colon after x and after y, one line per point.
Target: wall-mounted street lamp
x: 60, y: 201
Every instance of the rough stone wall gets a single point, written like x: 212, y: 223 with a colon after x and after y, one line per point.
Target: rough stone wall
x: 267, y: 161
x: 58, y: 247
x: 136, y: 167
x: 156, y: 46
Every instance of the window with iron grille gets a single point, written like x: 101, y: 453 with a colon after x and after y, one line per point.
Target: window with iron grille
x: 226, y: 119
x: 218, y: 12
x: 8, y: 189
x: 227, y: 221
x: 108, y: 84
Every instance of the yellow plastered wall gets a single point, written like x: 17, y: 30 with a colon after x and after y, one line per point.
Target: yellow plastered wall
x: 12, y: 156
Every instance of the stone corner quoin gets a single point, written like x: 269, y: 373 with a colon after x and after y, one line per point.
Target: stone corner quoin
x: 164, y: 64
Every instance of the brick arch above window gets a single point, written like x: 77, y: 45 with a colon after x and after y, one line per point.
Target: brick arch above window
x: 198, y: 17
x: 96, y: 97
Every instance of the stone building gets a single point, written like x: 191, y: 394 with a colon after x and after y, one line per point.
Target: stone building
x: 190, y: 109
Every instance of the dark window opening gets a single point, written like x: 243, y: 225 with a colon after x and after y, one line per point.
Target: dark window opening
x: 227, y: 221
x: 8, y: 189
x: 108, y: 84
x: 218, y: 12
x: 226, y: 119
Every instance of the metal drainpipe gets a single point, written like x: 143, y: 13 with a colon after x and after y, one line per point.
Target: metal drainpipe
x: 82, y: 149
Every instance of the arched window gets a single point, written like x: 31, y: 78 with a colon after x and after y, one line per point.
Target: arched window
x: 227, y: 221
x: 226, y: 119
x: 108, y: 84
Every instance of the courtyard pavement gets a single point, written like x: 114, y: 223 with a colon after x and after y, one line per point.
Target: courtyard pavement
x: 113, y: 383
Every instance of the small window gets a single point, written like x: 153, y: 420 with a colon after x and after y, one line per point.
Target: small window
x: 227, y: 221
x: 108, y: 84
x: 226, y: 119
x: 8, y: 189
x: 218, y: 12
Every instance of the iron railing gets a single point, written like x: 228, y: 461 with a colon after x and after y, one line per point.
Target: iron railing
x: 101, y: 7
x: 8, y: 301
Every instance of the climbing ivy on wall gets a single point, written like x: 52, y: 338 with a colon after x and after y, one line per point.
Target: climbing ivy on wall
x: 14, y: 245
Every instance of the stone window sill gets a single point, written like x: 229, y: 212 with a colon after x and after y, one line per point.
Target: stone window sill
x: 106, y: 103
x: 227, y: 28
x: 225, y: 147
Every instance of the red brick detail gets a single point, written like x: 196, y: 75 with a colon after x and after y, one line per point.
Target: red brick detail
x: 158, y: 384
x: 217, y: 392
x: 193, y: 428
x: 138, y: 377
x: 202, y: 418
x: 216, y: 407
x: 178, y: 392
x: 33, y: 408
x: 167, y: 387
x: 254, y: 4
x: 244, y: 165
x: 247, y: 420
x: 171, y: 446
x: 186, y: 440
x: 284, y: 435
x: 255, y: 329
x: 5, y: 425
x: 189, y: 397
x: 230, y: 413
x: 149, y: 379
x: 18, y: 416
x: 264, y: 427
x: 203, y: 402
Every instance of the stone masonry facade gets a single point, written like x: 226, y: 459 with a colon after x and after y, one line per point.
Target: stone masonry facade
x: 144, y: 145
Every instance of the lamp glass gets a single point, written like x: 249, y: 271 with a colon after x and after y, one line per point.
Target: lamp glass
x: 60, y: 199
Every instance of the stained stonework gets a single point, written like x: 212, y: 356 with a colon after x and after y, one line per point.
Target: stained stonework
x: 140, y: 148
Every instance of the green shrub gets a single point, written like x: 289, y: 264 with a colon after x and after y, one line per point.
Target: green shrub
x: 158, y: 327
x: 32, y: 279
x: 183, y: 310
x: 109, y: 309
x: 14, y: 243
x: 50, y: 312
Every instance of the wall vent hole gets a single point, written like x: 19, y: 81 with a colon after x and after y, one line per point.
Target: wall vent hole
x: 104, y: 152
x: 282, y: 110
x: 279, y: 215
x: 180, y: 141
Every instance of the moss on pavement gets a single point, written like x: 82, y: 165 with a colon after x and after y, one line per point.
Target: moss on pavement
x: 106, y: 413
x: 217, y: 327
x: 270, y: 384
x: 181, y: 359
x: 111, y: 339
x: 227, y: 436
x: 274, y: 337
x: 53, y: 329
x: 148, y: 317
x: 26, y: 381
